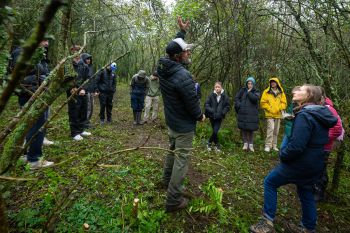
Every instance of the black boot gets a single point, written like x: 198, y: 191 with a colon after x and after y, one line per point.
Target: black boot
x: 139, y: 122
x: 135, y: 117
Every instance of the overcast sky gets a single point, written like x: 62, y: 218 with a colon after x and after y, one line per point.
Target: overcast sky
x: 168, y: 2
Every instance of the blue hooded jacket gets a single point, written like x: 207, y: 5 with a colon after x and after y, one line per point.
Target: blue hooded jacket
x: 302, y: 160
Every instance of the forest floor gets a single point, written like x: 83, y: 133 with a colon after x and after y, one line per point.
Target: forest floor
x: 95, y: 181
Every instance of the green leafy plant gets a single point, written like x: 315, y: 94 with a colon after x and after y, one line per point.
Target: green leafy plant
x: 213, y: 205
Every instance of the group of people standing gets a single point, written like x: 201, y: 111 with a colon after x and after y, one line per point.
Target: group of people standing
x: 85, y: 86
x: 273, y: 101
x: 81, y: 96
x: 302, y: 156
x: 145, y: 89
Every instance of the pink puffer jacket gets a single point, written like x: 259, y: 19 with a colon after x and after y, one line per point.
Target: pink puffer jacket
x: 336, y: 131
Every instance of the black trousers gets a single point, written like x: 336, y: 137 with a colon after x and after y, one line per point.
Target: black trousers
x: 106, y: 105
x: 215, y: 124
x: 77, y: 113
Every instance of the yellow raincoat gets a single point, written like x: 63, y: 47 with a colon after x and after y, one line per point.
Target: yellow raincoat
x: 273, y: 105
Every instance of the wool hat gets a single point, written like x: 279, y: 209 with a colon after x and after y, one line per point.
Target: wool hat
x: 177, y: 46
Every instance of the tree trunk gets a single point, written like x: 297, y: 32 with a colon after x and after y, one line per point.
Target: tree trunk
x: 3, y: 219
x: 338, y: 167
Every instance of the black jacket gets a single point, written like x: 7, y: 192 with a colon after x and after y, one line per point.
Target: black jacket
x: 85, y: 72
x: 106, y: 81
x: 217, y: 110
x: 34, y: 77
x: 247, y: 109
x: 181, y: 103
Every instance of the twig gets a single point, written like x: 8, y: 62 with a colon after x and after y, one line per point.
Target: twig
x: 109, y: 165
x: 204, y: 160
x: 190, y: 216
x: 17, y: 179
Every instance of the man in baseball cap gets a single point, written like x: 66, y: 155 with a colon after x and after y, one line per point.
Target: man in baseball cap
x: 182, y: 111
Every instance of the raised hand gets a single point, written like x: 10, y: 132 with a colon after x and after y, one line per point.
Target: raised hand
x: 183, y: 25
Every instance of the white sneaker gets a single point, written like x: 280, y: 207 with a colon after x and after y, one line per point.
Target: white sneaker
x: 267, y: 149
x: 245, y: 146
x: 85, y: 133
x: 47, y: 142
x: 217, y: 149
x: 208, y: 148
x: 40, y: 164
x: 78, y: 137
x: 251, y: 147
x: 275, y: 148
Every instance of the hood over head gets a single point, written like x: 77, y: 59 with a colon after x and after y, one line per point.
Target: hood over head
x: 250, y: 79
x: 85, y: 56
x: 167, y: 67
x: 278, y: 83
x: 322, y: 114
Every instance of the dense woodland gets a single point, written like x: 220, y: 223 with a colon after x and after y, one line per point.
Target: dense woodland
x: 96, y: 182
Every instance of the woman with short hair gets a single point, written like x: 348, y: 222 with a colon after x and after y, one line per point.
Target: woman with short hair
x: 301, y: 160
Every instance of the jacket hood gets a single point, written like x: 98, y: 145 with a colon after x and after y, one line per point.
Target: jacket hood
x: 85, y: 56
x: 166, y: 67
x: 222, y: 91
x: 328, y: 101
x: 278, y: 83
x: 321, y: 114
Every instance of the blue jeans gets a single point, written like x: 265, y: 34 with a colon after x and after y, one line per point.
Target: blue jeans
x: 272, y: 182
x: 137, y: 102
x: 35, y: 148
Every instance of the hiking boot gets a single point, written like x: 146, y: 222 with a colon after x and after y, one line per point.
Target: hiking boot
x: 78, y: 137
x: 40, y: 164
x: 47, y: 142
x: 245, y: 146
x: 135, y: 118
x: 293, y: 228
x: 251, y: 147
x: 183, y: 204
x: 102, y: 122
x: 109, y: 121
x: 263, y: 226
x: 267, y: 149
x: 138, y: 118
x: 85, y: 134
x: 275, y: 148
